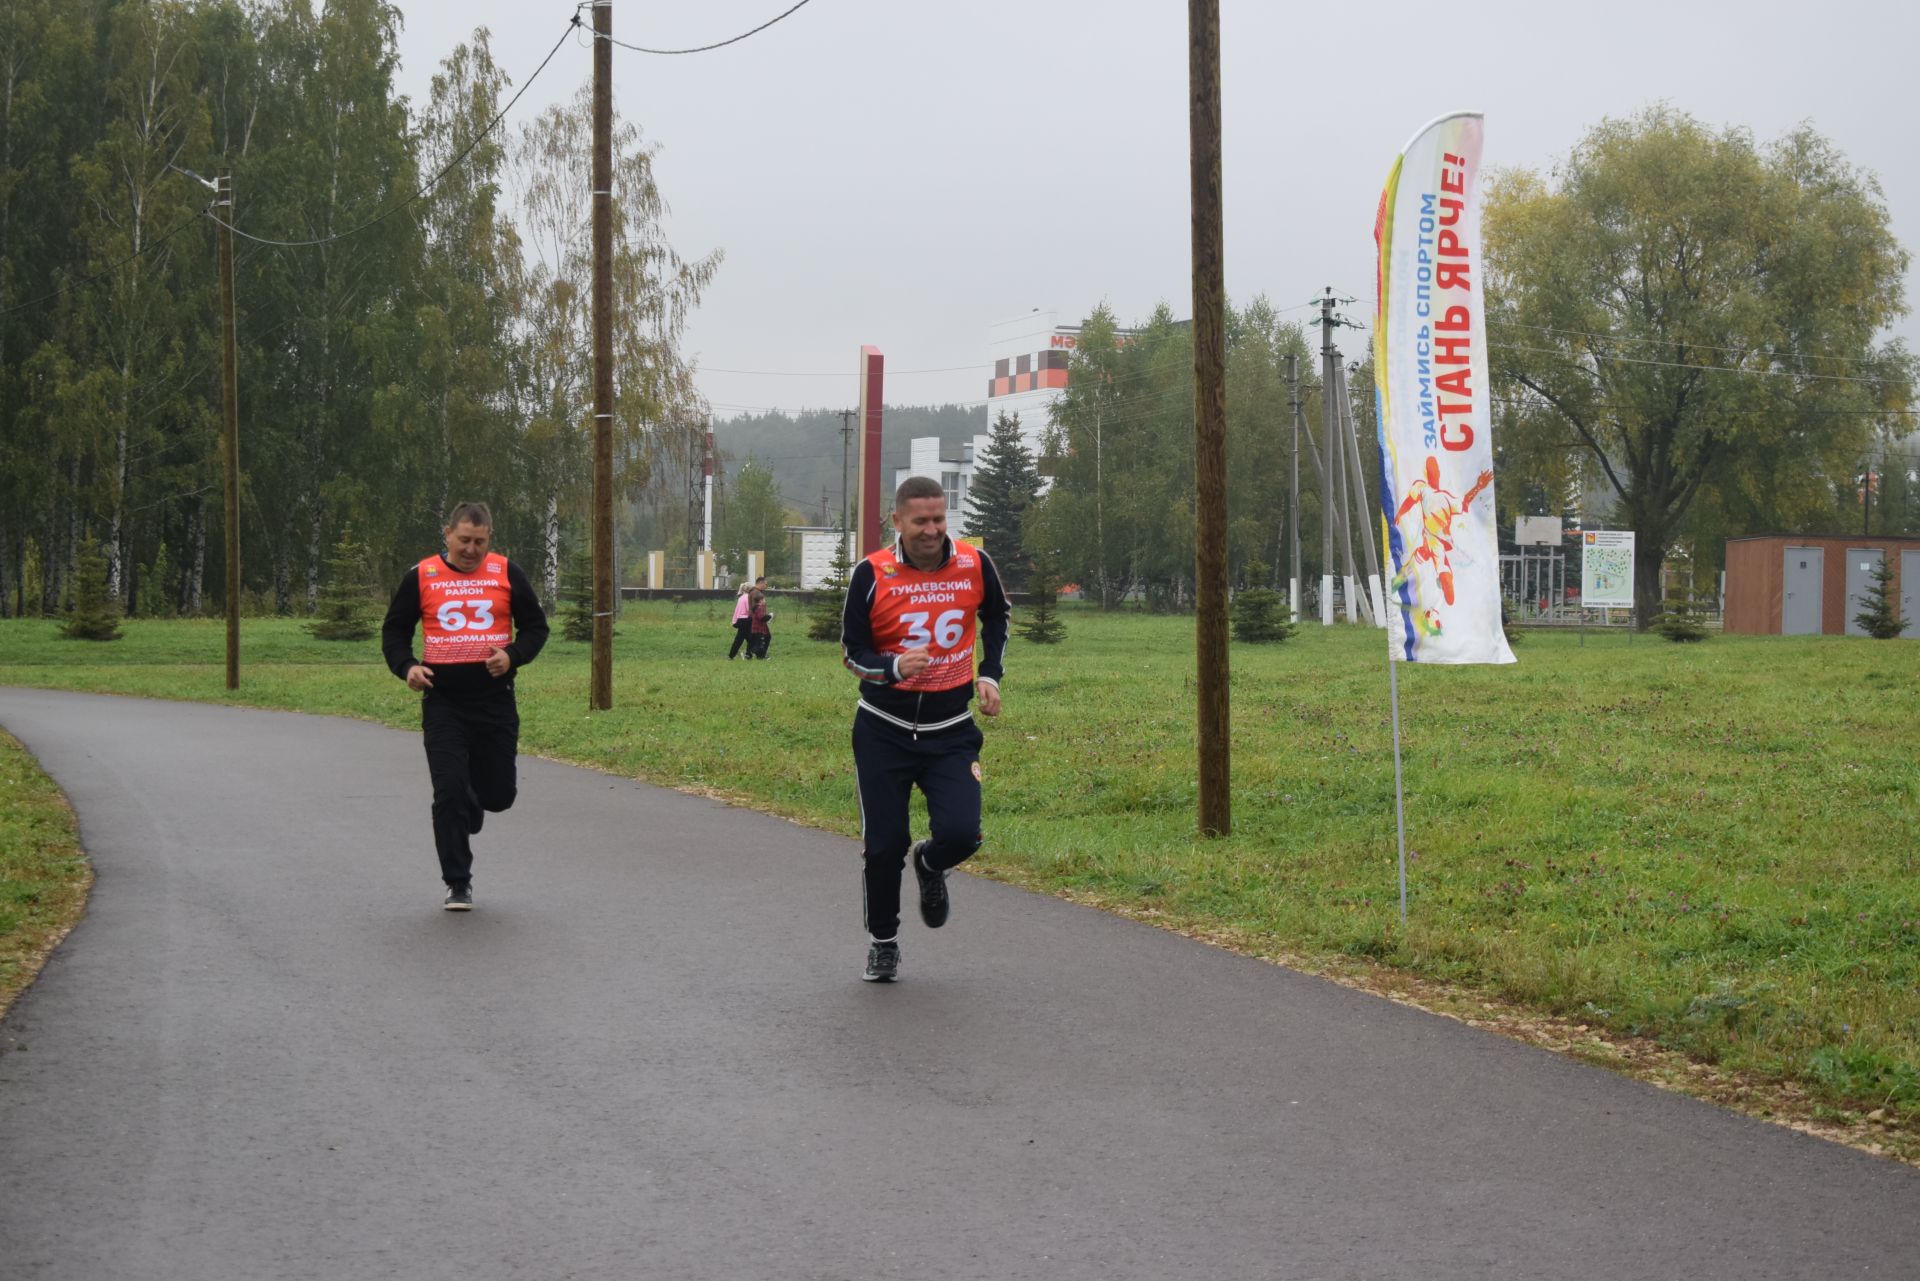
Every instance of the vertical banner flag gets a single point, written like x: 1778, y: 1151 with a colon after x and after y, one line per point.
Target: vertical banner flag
x: 1430, y: 378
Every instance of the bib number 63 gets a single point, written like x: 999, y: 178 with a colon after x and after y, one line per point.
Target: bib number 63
x: 946, y: 633
x: 454, y: 617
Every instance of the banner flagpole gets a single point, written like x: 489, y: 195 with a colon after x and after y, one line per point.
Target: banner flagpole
x: 1399, y: 783
x: 1432, y: 385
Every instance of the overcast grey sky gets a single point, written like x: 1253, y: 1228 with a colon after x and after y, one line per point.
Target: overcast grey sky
x: 904, y: 173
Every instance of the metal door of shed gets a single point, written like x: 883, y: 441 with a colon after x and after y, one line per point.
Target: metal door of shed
x: 1800, y: 594
x: 1861, y: 564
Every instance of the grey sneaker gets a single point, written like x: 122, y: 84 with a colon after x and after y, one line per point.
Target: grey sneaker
x: 934, y: 902
x: 883, y: 963
x: 459, y: 898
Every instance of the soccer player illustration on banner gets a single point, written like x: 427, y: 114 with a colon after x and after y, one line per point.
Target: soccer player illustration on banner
x: 1433, y: 543
x: 915, y: 613
x: 469, y: 601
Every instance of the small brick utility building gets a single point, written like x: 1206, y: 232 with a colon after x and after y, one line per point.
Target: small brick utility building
x: 1790, y: 585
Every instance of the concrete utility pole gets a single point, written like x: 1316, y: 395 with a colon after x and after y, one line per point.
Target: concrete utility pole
x: 1336, y: 456
x: 706, y: 474
x: 601, y: 697
x: 1100, y: 491
x: 1209, y: 417
x: 1293, y: 490
x: 1326, y: 513
x: 1365, y: 505
x: 230, y: 425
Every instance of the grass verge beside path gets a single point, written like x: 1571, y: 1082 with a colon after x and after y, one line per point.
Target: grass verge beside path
x: 43, y: 874
x: 1707, y: 850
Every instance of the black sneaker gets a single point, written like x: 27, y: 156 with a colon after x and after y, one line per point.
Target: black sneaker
x: 933, y: 888
x: 459, y: 898
x: 883, y: 963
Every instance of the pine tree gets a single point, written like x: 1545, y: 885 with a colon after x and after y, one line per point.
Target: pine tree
x: 823, y: 622
x: 1042, y: 624
x: 1507, y: 628
x: 345, y: 612
x: 93, y: 616
x: 156, y: 598
x: 576, y: 598
x: 1882, y: 619
x: 1259, y: 613
x: 1004, y: 484
x: 1679, y: 619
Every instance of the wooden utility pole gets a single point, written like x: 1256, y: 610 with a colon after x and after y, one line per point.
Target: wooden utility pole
x: 602, y: 695
x: 230, y: 425
x: 846, y: 461
x: 1209, y: 417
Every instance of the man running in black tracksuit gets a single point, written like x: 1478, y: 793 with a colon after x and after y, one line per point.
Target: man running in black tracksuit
x: 469, y: 602
x: 909, y: 633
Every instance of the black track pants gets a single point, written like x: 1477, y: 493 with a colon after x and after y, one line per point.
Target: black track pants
x: 470, y: 749
x: 741, y: 628
x: 889, y: 763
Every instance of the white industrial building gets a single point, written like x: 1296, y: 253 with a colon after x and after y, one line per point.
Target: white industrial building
x: 816, y: 552
x: 1029, y: 357
x: 954, y: 474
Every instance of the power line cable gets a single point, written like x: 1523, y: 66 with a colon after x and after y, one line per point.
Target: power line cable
x: 426, y: 187
x: 1681, y: 342
x: 705, y: 47
x: 834, y: 373
x: 1726, y: 369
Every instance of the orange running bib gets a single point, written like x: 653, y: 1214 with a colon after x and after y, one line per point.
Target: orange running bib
x: 912, y: 607
x: 464, y: 617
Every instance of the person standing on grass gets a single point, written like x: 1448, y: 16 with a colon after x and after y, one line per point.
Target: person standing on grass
x: 742, y: 618
x: 915, y: 614
x: 759, y: 621
x: 469, y: 602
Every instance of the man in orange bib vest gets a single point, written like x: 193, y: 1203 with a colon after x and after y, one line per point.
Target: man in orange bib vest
x: 915, y: 615
x: 469, y: 602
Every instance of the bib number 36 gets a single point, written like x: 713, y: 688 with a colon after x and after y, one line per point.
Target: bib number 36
x: 454, y: 617
x: 946, y: 633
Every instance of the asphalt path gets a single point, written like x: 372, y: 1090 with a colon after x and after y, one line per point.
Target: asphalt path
x: 267, y: 1053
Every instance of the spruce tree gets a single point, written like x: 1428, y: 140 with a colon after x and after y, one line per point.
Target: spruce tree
x: 156, y: 598
x: 576, y: 598
x: 1042, y: 624
x: 345, y: 611
x: 1005, y: 481
x: 93, y: 615
x: 1259, y: 613
x: 1882, y: 619
x: 1679, y: 619
x: 1507, y: 628
x: 823, y: 620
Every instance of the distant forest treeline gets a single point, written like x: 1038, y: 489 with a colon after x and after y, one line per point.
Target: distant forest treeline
x: 411, y: 291
x: 803, y: 451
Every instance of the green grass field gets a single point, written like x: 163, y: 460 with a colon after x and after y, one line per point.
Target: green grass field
x: 1713, y: 846
x: 43, y: 877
